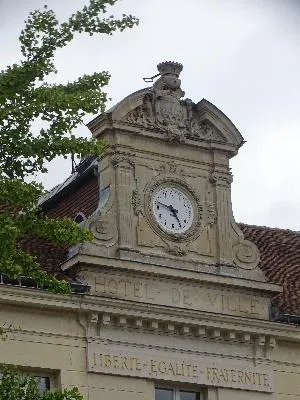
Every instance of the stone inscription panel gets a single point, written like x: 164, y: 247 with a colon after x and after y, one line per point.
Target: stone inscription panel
x: 118, y: 360
x: 183, y: 295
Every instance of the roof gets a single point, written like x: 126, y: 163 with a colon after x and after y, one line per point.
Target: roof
x: 49, y: 255
x: 84, y: 168
x: 280, y: 261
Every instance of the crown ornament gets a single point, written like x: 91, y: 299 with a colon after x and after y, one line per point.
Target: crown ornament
x: 169, y: 67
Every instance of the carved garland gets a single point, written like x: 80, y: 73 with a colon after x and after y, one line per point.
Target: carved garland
x: 137, y: 203
x: 176, y: 250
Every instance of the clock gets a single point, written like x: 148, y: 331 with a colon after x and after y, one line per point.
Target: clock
x: 173, y: 209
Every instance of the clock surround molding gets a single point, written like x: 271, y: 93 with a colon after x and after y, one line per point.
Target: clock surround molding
x: 199, y: 208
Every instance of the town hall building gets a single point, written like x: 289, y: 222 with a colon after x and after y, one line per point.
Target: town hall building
x: 173, y: 300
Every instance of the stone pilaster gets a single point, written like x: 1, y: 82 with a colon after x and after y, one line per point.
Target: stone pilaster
x: 124, y: 167
x: 222, y: 181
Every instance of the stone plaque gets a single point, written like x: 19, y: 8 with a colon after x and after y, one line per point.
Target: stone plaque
x: 183, y: 295
x: 154, y: 364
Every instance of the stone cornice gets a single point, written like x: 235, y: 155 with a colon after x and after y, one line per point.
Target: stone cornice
x: 112, y: 126
x: 193, y: 319
x: 172, y: 273
x: 146, y: 316
x: 36, y: 298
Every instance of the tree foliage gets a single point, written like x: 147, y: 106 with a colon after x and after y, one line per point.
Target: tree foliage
x: 26, y: 97
x: 16, y: 386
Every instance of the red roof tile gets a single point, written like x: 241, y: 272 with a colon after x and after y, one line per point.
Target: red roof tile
x: 280, y: 261
x: 49, y: 255
x: 83, y: 198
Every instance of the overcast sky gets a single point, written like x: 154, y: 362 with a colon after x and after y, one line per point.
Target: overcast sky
x: 241, y: 55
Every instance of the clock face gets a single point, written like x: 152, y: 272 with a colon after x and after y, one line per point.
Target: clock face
x: 173, y: 210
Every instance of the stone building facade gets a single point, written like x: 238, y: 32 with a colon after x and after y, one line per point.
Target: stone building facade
x: 174, y: 300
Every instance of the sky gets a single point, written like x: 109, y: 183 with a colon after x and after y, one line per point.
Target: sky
x: 241, y: 55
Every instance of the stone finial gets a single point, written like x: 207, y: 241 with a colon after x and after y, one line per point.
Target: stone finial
x: 169, y: 67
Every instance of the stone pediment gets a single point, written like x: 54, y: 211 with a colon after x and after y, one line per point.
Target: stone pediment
x: 198, y: 122
x: 161, y: 109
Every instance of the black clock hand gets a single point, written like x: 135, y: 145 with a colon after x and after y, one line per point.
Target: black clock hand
x: 163, y: 205
x: 174, y: 213
x: 170, y: 207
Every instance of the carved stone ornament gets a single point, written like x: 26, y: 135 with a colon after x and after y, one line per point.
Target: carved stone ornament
x: 221, y: 178
x: 137, y: 203
x: 246, y: 255
x: 211, y: 213
x: 122, y: 160
x: 204, y: 212
x: 103, y: 228
x: 164, y: 109
x: 171, y: 168
x: 176, y: 250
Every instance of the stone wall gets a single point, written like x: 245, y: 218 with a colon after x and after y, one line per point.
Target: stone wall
x: 122, y: 357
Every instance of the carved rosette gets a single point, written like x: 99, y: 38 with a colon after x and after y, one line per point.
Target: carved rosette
x: 246, y: 255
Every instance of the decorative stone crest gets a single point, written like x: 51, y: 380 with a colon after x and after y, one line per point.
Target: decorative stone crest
x: 164, y: 109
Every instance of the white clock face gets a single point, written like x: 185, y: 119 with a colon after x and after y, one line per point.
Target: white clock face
x: 173, y: 210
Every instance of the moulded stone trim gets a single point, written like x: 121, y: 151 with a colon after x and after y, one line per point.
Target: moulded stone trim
x: 262, y: 345
x: 203, y: 211
x: 85, y: 305
x: 174, y: 273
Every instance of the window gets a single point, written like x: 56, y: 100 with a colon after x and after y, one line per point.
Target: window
x: 44, y: 383
x: 175, y: 394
